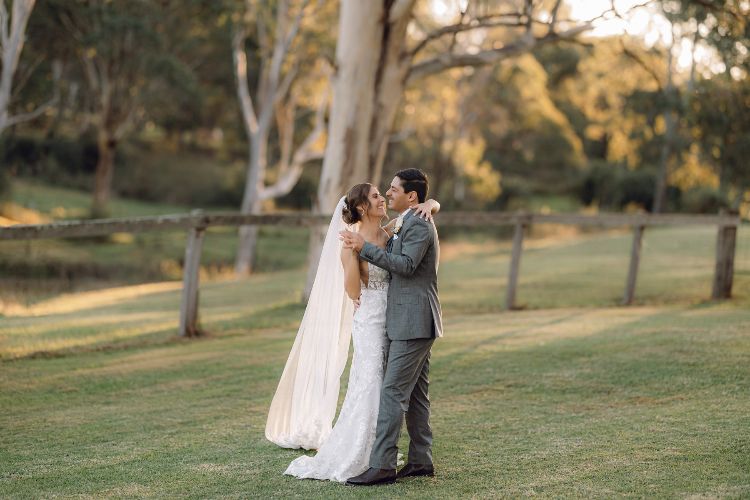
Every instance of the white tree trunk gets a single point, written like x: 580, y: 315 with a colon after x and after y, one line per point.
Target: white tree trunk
x: 389, y: 86
x: 12, y: 38
x: 258, y: 112
x: 357, y: 58
x: 251, y: 203
x: 373, y: 67
x: 347, y: 151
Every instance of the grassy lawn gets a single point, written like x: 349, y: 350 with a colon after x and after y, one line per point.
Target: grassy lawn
x: 559, y: 268
x: 586, y: 271
x: 572, y: 397
x: 33, y: 271
x: 64, y: 203
x: 606, y: 402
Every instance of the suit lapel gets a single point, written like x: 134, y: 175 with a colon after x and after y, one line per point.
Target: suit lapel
x: 391, y: 242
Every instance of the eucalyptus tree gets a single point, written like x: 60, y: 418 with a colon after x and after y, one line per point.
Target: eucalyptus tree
x: 12, y: 39
x: 289, y: 77
x: 719, y: 117
x: 718, y: 111
x: 720, y: 25
x: 121, y: 49
x: 382, y: 49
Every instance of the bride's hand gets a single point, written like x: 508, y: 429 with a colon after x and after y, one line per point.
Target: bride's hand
x: 424, y: 210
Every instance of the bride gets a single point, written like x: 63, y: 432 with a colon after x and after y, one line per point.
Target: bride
x: 305, y: 401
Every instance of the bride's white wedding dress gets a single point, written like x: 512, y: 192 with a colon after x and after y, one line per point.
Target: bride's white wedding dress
x: 345, y: 452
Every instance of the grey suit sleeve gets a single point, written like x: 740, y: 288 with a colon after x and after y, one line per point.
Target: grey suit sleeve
x: 416, y: 241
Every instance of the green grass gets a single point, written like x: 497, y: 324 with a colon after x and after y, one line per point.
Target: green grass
x: 586, y: 271
x: 573, y: 270
x: 569, y: 398
x: 40, y: 269
x: 64, y: 203
x: 586, y: 403
x: 546, y: 203
x: 677, y: 266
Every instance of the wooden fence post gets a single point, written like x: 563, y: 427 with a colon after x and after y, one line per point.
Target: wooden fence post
x: 726, y: 243
x: 635, y: 258
x: 515, y: 263
x: 191, y: 273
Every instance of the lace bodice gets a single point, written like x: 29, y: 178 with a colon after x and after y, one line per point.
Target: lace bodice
x: 379, y: 278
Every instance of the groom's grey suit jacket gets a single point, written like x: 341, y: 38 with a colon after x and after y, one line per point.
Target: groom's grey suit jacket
x: 411, y: 256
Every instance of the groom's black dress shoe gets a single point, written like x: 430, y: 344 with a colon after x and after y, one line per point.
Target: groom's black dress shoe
x: 416, y: 470
x: 372, y: 477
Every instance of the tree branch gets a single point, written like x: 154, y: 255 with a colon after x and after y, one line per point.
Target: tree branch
x: 524, y: 44
x: 243, y: 91
x: 289, y: 176
x: 478, y: 23
x: 23, y: 78
x: 3, y: 25
x: 639, y: 60
x: 528, y: 11
x: 553, y: 16
x: 295, y: 25
x: 613, y: 9
x: 285, y: 115
x: 57, y: 69
x: 23, y: 117
x: 306, y: 152
x: 454, y: 38
x: 286, y: 84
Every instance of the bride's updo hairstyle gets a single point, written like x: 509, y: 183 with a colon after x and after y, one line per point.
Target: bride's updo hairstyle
x: 357, y: 197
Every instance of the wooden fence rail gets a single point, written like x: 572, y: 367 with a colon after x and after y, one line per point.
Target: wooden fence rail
x: 197, y: 222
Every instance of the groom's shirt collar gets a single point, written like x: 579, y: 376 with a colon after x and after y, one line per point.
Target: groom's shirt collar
x: 403, y: 214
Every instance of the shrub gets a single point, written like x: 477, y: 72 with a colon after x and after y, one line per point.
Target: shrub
x: 597, y: 183
x: 514, y: 189
x: 635, y: 187
x: 704, y: 200
x: 73, y: 156
x: 614, y: 186
x: 190, y: 178
x: 56, y: 159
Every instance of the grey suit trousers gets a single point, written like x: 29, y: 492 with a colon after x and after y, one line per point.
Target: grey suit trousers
x: 404, y: 391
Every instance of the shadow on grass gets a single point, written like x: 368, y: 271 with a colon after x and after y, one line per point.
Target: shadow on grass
x: 639, y: 402
x: 275, y: 317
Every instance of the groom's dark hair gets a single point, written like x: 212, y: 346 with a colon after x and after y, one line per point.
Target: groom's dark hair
x: 414, y: 179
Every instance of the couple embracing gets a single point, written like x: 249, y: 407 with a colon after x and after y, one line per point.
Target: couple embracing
x: 378, y: 285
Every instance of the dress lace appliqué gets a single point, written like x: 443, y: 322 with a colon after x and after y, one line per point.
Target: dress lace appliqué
x: 346, y: 451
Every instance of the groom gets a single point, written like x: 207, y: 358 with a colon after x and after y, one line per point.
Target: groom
x: 413, y: 322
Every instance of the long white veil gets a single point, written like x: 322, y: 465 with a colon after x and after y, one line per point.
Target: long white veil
x: 304, y: 405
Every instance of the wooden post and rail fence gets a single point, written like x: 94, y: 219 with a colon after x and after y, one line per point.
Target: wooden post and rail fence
x: 197, y: 222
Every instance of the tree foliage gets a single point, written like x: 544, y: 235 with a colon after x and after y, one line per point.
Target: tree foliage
x: 496, y: 103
